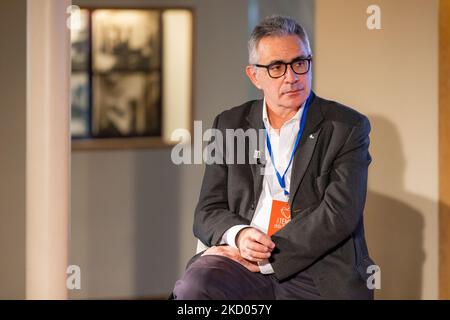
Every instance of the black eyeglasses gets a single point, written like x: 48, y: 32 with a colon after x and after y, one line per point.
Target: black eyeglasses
x: 278, y: 69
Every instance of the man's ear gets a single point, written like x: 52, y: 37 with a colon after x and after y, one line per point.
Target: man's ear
x: 251, y: 73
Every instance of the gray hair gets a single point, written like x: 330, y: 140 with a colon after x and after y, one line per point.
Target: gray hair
x: 275, y: 26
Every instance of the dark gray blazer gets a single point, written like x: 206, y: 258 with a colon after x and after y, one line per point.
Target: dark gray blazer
x: 327, y: 196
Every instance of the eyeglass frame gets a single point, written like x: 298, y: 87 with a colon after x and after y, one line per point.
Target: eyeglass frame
x: 286, y: 64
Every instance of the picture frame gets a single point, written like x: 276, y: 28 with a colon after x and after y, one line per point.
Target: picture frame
x: 118, y: 75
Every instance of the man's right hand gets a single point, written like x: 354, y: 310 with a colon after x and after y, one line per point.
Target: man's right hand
x: 254, y: 245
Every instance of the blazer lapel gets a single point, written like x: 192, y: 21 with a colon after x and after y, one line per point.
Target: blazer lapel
x: 306, y: 146
x: 255, y: 121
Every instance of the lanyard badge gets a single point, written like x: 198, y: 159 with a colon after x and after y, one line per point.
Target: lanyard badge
x: 280, y: 214
x: 281, y: 178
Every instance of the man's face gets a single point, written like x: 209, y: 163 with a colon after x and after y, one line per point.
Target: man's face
x: 290, y: 90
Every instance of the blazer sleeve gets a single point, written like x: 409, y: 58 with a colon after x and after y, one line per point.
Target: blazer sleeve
x: 212, y: 215
x: 310, y: 236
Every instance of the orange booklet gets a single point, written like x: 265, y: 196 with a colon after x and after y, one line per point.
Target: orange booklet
x: 280, y: 215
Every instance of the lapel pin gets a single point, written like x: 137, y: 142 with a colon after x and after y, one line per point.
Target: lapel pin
x: 311, y: 136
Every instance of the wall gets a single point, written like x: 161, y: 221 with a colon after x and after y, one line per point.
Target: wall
x: 12, y: 146
x: 392, y: 76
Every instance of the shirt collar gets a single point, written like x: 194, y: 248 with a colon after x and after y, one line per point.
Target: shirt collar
x: 265, y: 117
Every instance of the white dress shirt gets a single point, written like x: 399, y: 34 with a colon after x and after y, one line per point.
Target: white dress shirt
x: 282, y: 146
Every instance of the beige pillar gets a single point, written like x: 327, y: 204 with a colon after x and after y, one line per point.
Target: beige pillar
x: 48, y: 149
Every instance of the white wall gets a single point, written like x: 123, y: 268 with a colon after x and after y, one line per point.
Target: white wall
x: 391, y: 75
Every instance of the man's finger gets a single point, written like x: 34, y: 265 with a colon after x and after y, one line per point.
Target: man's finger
x: 262, y: 238
x: 250, y: 266
x: 257, y: 256
x: 257, y: 247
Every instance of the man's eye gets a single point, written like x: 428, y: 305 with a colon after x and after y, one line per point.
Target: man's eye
x: 275, y: 67
x: 300, y: 63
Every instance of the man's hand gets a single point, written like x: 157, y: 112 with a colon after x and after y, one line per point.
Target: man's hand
x: 254, y: 245
x: 233, y: 254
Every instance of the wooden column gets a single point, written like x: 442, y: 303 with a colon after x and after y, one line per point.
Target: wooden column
x: 444, y: 149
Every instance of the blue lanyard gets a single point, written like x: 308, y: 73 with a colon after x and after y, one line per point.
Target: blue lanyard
x: 280, y: 178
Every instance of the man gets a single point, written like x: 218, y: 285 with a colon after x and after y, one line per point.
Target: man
x: 296, y: 231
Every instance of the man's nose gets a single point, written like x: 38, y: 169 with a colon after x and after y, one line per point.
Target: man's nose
x: 290, y: 75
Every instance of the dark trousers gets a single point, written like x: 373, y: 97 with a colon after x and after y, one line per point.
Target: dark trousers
x: 214, y: 277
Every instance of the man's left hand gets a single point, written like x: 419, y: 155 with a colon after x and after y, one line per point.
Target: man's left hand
x: 233, y: 254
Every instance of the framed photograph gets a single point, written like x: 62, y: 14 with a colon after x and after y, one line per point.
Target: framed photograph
x: 117, y: 76
x: 80, y: 42
x: 126, y: 104
x: 80, y: 122
x: 126, y: 40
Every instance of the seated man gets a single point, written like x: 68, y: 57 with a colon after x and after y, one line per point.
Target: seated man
x: 290, y: 225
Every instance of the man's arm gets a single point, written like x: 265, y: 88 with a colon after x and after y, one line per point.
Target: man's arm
x: 212, y: 215
x: 307, y: 237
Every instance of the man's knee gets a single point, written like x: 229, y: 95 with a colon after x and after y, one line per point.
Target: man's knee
x: 197, y: 284
x: 188, y: 290
x: 209, y: 277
